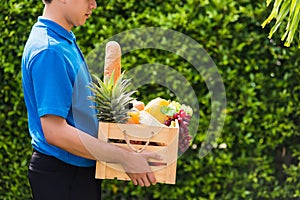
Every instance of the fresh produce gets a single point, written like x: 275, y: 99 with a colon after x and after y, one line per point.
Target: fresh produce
x: 183, y: 114
x: 112, y: 99
x: 110, y: 95
x: 154, y: 108
x: 166, y: 112
x: 139, y: 105
x: 134, y: 117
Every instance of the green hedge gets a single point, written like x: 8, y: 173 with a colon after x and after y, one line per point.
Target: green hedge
x: 261, y: 79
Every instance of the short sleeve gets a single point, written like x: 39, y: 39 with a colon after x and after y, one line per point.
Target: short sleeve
x: 52, y: 84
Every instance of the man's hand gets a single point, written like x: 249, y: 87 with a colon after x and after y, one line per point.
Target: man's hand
x: 137, y: 168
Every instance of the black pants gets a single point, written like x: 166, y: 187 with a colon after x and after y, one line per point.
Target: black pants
x: 52, y: 179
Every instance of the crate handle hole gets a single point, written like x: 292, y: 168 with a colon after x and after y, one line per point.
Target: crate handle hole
x: 132, y: 147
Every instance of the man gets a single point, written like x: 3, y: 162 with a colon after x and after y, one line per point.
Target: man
x: 61, y: 166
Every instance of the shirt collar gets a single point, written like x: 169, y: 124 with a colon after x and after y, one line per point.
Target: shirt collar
x: 58, y: 29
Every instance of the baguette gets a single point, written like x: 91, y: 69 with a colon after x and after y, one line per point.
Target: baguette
x: 112, y: 60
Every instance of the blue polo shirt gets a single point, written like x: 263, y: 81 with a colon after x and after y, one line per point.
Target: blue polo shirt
x: 55, y: 79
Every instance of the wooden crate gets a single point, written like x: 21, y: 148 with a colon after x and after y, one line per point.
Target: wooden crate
x: 162, y: 140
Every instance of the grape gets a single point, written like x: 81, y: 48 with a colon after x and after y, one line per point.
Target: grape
x: 168, y: 122
x: 135, y: 142
x: 185, y: 123
x: 181, y: 130
x: 175, y: 116
x: 180, y: 120
x: 188, y: 117
x: 182, y: 113
x: 186, y: 130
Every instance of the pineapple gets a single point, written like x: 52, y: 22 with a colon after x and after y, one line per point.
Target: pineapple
x: 112, y: 99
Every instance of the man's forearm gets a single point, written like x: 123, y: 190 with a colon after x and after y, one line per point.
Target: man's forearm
x: 75, y: 141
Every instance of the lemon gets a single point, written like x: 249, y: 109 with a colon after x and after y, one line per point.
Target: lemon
x: 154, y: 106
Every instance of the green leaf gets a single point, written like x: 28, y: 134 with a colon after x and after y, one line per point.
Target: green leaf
x: 169, y: 111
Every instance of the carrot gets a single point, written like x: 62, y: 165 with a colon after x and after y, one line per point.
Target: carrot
x: 112, y: 60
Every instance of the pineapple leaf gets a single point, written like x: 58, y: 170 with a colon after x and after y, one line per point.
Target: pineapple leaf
x: 111, y: 99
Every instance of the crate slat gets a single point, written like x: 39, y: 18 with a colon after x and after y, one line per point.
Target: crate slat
x: 164, y: 142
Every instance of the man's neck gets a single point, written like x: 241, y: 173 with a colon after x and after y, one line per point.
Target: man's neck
x: 53, y: 12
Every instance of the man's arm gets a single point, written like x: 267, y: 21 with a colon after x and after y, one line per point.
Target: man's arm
x: 59, y: 133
